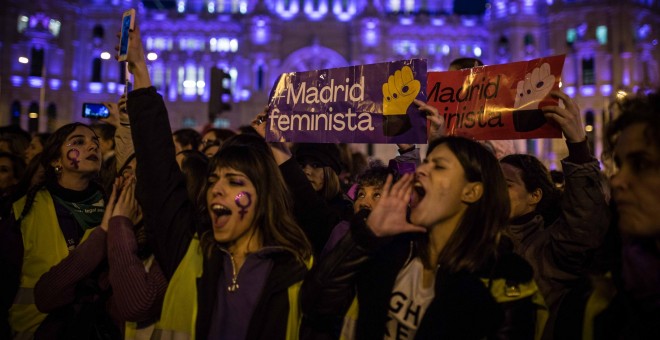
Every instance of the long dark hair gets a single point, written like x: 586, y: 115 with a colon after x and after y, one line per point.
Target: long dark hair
x: 474, y: 242
x: 536, y: 176
x: 194, y: 166
x: 274, y: 206
x: 51, y: 152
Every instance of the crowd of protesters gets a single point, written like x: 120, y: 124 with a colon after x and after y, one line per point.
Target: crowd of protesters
x: 125, y: 229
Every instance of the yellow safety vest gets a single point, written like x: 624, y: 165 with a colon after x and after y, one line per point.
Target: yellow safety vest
x: 179, y: 315
x: 295, y: 313
x: 177, y: 320
x: 44, y: 246
x: 503, y: 292
x: 603, y: 293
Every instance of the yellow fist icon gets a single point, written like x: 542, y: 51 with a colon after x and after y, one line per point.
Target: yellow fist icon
x: 399, y: 92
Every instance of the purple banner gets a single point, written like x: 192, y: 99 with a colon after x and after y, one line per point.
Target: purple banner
x: 356, y: 104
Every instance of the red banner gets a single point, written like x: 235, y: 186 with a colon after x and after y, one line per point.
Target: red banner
x: 498, y: 101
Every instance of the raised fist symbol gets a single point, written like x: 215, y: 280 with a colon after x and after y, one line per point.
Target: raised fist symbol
x: 534, y: 88
x: 526, y: 113
x: 399, y: 92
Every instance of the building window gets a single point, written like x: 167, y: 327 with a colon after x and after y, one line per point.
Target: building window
x: 98, y: 32
x: 582, y: 31
x: 588, y: 73
x: 589, y: 128
x: 158, y: 75
x: 530, y: 45
x: 16, y: 113
x: 36, y: 62
x: 260, y: 78
x: 601, y: 34
x: 22, y: 23
x: 571, y: 36
x: 223, y: 45
x: 228, y: 6
x: 54, y: 27
x: 503, y: 46
x: 33, y: 117
x: 191, y: 44
x: 96, y: 70
x: 406, y: 48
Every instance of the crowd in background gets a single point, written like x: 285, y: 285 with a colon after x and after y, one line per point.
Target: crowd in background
x: 127, y: 229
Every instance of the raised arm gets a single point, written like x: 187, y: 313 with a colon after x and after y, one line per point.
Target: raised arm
x: 585, y: 216
x: 161, y: 187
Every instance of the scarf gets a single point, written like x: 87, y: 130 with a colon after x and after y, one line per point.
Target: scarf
x: 88, y: 212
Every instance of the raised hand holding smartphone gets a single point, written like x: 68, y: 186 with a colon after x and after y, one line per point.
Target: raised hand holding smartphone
x: 127, y: 25
x: 134, y: 55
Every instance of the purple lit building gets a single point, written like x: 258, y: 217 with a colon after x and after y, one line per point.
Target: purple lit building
x: 58, y: 54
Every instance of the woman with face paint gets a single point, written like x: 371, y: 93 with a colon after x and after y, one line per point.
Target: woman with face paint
x: 239, y: 278
x: 51, y: 226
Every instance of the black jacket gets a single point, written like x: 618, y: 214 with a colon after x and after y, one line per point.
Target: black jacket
x: 562, y: 251
x: 463, y: 307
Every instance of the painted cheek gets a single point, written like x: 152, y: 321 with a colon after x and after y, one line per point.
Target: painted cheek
x: 73, y: 155
x: 243, y: 200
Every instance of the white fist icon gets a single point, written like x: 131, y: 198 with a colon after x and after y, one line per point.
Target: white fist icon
x: 534, y: 88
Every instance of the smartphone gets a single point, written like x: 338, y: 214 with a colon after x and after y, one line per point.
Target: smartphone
x: 95, y: 110
x: 127, y: 23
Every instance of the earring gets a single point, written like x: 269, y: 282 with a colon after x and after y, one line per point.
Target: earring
x: 58, y: 169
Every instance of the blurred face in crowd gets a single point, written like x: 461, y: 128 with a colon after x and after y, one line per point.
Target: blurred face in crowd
x: 232, y: 203
x: 367, y: 197
x: 314, y: 172
x: 636, y: 184
x: 7, y: 176
x: 80, y: 153
x: 522, y: 201
x: 439, y: 189
x: 211, y: 150
x: 208, y: 139
x: 33, y: 149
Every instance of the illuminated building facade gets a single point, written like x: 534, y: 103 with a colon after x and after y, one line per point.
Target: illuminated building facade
x: 58, y: 54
